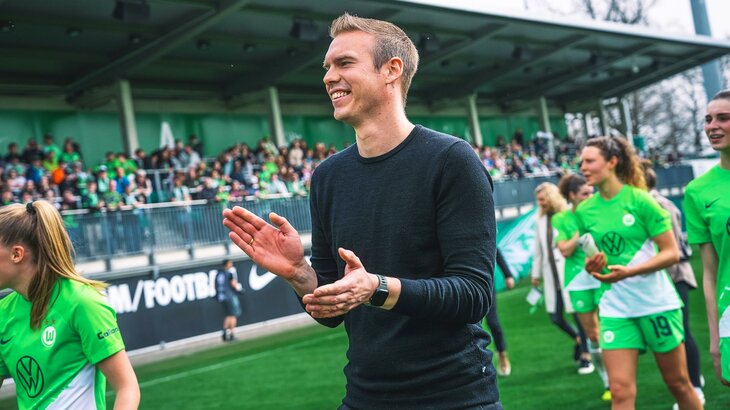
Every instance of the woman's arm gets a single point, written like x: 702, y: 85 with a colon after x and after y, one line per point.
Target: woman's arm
x: 709, y: 270
x: 567, y: 248
x: 118, y: 370
x: 667, y: 256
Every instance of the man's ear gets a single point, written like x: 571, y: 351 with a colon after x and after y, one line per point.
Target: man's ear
x: 393, y: 69
x: 17, y: 253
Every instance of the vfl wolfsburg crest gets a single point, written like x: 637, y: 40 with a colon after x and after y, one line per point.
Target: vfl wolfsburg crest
x: 628, y: 219
x: 30, y: 376
x: 49, y: 336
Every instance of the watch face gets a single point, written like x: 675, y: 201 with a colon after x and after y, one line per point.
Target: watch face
x: 379, y: 297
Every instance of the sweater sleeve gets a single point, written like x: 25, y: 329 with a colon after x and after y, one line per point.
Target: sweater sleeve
x: 323, y: 262
x: 466, y: 229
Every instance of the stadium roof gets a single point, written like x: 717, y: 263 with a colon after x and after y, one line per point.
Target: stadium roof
x: 231, y: 49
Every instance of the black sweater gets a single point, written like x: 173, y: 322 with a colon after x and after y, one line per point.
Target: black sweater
x: 423, y: 213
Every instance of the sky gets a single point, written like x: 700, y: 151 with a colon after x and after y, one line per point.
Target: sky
x: 667, y: 16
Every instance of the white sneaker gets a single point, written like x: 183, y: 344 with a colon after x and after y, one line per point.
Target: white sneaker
x: 586, y: 367
x: 700, y: 394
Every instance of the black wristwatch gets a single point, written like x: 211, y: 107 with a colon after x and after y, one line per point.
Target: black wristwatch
x: 381, y: 293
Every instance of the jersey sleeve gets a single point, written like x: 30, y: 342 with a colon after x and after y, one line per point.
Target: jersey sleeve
x: 96, y: 323
x: 657, y: 220
x: 4, y: 372
x: 566, y: 226
x: 579, y: 223
x: 697, y: 230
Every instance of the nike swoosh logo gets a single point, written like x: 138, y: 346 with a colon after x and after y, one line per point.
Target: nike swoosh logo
x: 5, y: 341
x: 710, y: 204
x: 258, y: 282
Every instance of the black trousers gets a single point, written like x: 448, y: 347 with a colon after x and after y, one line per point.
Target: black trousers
x: 690, y: 347
x: 558, y: 318
x: 495, y: 328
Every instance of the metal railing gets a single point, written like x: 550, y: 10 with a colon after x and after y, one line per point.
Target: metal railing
x: 148, y: 229
x: 152, y: 228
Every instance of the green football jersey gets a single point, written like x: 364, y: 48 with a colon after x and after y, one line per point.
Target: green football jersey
x: 622, y: 228
x: 707, y: 211
x: 55, y: 366
x: 576, y: 278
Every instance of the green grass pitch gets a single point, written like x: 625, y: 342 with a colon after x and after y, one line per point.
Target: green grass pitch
x: 302, y: 369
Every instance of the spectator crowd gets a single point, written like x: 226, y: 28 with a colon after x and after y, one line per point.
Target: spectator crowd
x: 61, y: 175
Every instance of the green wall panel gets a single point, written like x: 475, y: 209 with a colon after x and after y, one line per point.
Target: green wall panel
x: 456, y: 126
x: 98, y: 132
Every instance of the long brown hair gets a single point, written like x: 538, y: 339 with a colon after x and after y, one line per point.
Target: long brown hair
x: 38, y: 227
x: 570, y: 184
x: 628, y: 166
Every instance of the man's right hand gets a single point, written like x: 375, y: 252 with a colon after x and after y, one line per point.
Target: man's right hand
x: 276, y: 248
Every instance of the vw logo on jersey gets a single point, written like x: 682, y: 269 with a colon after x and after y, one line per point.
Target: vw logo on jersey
x: 629, y: 220
x: 49, y: 336
x: 613, y: 244
x: 30, y: 376
x: 608, y: 336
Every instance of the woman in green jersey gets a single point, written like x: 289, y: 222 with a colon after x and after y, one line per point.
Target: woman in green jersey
x: 59, y: 339
x: 548, y: 266
x: 707, y: 211
x: 639, y: 308
x: 583, y: 289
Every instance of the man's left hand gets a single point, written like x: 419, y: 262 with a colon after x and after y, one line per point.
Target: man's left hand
x: 340, y: 297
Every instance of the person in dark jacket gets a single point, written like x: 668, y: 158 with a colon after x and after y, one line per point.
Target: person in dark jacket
x: 227, y: 289
x: 403, y: 238
x: 504, y: 367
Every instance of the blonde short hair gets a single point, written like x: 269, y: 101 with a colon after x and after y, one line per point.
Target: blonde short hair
x: 556, y: 202
x: 390, y: 41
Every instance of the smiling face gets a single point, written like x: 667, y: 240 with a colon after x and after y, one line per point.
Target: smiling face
x: 594, y: 166
x: 717, y: 124
x: 356, y: 88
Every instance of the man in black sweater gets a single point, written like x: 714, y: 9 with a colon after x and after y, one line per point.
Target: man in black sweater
x: 403, y: 238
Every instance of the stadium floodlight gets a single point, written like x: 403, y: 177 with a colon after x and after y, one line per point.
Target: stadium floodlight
x: 73, y: 31
x: 131, y: 11
x: 7, y: 26
x: 521, y: 52
x: 429, y: 43
x: 203, y: 44
x: 305, y: 30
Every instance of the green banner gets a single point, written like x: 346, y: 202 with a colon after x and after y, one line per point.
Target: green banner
x: 516, y: 241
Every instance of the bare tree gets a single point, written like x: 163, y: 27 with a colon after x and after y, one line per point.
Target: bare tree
x: 620, y: 11
x: 668, y: 113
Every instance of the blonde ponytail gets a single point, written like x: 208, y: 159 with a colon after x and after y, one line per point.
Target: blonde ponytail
x: 39, y: 227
